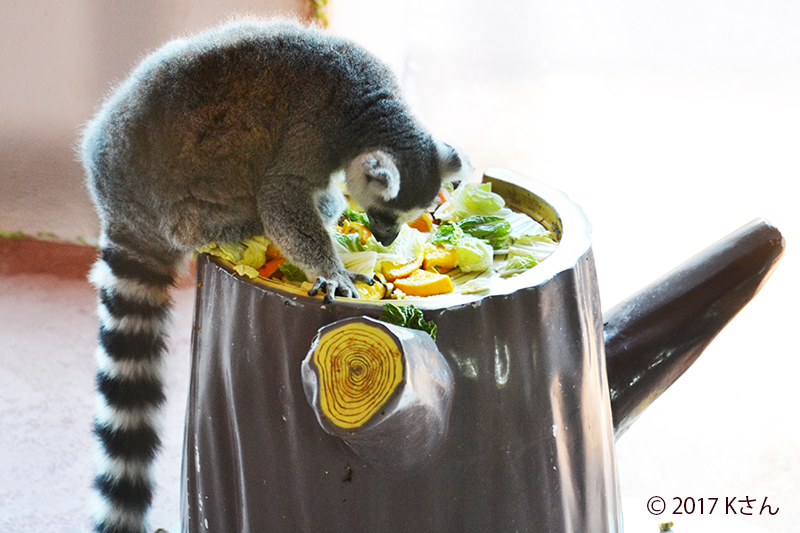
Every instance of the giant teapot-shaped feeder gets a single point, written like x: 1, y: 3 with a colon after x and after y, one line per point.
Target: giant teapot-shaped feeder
x: 506, y: 422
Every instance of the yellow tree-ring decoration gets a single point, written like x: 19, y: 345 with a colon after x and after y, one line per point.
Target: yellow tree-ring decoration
x: 385, y: 390
x: 359, y: 368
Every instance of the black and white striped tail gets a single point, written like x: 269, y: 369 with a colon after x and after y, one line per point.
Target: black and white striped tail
x: 134, y: 308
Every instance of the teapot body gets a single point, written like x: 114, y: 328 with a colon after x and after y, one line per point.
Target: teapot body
x: 529, y: 444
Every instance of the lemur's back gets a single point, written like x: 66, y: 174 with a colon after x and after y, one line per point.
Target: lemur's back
x: 206, y: 118
x: 222, y: 136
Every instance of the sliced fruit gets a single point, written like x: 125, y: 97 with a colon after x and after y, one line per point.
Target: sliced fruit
x: 439, y: 259
x: 424, y: 283
x: 392, y: 271
x: 376, y: 291
x: 349, y: 227
x: 423, y: 223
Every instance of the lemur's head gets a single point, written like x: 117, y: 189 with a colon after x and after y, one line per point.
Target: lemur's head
x: 396, y: 187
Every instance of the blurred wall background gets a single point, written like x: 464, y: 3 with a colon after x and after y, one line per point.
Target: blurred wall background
x: 57, y: 60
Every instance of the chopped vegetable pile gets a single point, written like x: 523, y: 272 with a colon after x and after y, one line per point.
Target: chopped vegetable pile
x: 468, y: 240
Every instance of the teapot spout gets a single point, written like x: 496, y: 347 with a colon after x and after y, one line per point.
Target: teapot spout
x: 655, y: 335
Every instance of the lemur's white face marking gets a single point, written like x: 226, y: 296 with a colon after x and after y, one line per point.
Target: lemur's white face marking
x: 373, y: 178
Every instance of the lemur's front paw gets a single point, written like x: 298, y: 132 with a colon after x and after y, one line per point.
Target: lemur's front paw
x: 339, y: 284
x: 369, y: 280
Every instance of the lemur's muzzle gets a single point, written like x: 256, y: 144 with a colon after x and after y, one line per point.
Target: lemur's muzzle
x: 383, y: 225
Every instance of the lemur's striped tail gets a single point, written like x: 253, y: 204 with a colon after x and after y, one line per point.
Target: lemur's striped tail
x: 134, y: 308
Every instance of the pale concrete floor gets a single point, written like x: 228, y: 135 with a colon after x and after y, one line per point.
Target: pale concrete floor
x: 47, y: 337
x: 671, y: 128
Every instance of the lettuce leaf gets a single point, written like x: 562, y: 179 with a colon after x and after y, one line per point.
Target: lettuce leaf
x: 250, y: 252
x: 538, y: 245
x: 542, y: 236
x: 349, y: 243
x: 408, y: 244
x: 494, y: 230
x: 260, y: 239
x: 355, y: 216
x: 448, y: 234
x: 230, y: 251
x: 474, y: 254
x: 254, y: 254
x: 292, y: 273
x: 360, y: 262
x: 475, y: 286
x: 472, y: 199
x: 408, y: 316
x: 517, y: 264
x: 246, y: 271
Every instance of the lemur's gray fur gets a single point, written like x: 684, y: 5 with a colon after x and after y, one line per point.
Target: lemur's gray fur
x: 218, y: 137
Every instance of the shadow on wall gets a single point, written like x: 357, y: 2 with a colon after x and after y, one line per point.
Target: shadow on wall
x: 58, y: 60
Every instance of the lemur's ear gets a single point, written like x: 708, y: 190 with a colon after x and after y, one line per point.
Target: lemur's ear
x: 373, y: 175
x: 453, y: 164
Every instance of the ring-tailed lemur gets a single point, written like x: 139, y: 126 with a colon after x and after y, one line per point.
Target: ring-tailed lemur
x: 218, y: 137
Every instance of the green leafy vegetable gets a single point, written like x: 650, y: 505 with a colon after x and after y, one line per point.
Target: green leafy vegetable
x: 492, y: 229
x: 254, y: 254
x: 476, y: 285
x: 350, y: 242
x: 360, y: 262
x: 472, y: 199
x: 292, y: 273
x: 479, y: 199
x: 354, y: 216
x: 517, y: 265
x: 473, y: 254
x: 543, y: 236
x: 406, y: 246
x: 230, y: 251
x: 537, y: 245
x: 250, y: 252
x: 448, y: 234
x: 408, y: 243
x: 408, y: 316
x: 246, y: 271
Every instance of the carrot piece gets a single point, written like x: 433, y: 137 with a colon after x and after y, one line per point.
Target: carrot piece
x: 423, y: 223
x: 424, y: 283
x: 270, y: 268
x: 392, y: 271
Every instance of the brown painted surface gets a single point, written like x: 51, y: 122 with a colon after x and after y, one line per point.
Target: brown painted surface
x: 32, y: 256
